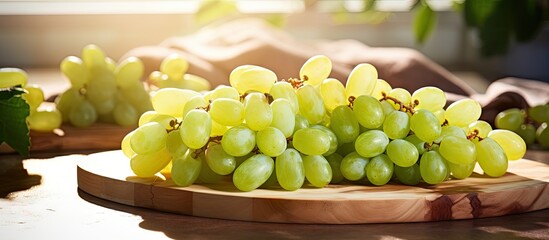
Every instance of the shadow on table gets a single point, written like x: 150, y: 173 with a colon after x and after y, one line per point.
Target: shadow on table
x: 534, y: 225
x: 14, y: 177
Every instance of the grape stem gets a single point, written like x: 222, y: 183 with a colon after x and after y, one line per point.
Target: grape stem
x: 474, y: 134
x: 214, y: 139
x: 403, y: 107
x: 174, y: 124
x: 296, y: 83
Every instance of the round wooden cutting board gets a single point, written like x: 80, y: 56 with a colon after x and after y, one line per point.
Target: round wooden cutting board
x: 524, y: 188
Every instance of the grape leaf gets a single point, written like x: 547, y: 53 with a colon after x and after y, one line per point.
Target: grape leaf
x: 13, y: 126
x: 424, y: 22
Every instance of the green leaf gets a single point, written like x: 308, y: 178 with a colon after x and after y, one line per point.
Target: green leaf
x: 477, y: 11
x: 13, y: 120
x: 211, y: 10
x: 529, y: 19
x: 424, y: 22
x: 495, y: 32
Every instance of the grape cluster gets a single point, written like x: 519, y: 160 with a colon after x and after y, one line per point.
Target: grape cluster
x: 264, y: 132
x: 173, y: 74
x: 102, y: 90
x: 530, y: 124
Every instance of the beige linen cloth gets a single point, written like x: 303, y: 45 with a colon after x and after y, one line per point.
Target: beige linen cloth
x: 214, y: 51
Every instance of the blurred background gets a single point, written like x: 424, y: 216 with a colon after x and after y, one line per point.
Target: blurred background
x: 485, y: 39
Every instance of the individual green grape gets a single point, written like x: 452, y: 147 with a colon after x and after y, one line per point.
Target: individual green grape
x: 451, y: 131
x: 432, y: 168
x: 196, y: 128
x: 285, y: 90
x: 290, y: 171
x: 153, y: 116
x: 401, y: 95
x: 147, y: 165
x: 396, y: 125
x: 381, y: 87
x: 283, y: 116
x: 271, y: 141
x: 110, y: 64
x: 317, y: 170
x: 223, y: 91
x: 512, y: 144
x: 219, y: 161
x: 34, y: 96
x: 129, y: 71
x: 418, y: 143
x: 353, y: 166
x: 333, y: 139
x: 344, y: 124
x: 429, y: 98
x: 149, y: 138
x: 491, y: 157
x: 10, y: 77
x: 539, y: 113
x: 257, y: 111
x: 361, y: 81
x: 379, y: 170
x: 311, y: 141
x: 542, y: 135
x: 371, y: 143
x: 457, y: 150
x: 186, y: 168
x: 333, y: 93
x: 408, y: 175
x: 527, y: 132
x: 440, y: 114
x: 300, y: 122
x: 335, y: 163
x: 252, y: 78
x: 195, y: 83
x: 67, y: 100
x: 509, y: 119
x: 218, y: 129
x: 425, y: 125
x: 175, y: 145
x: 238, y: 141
x: 45, y: 120
x: 170, y: 101
x: 228, y: 112
x: 207, y: 175
x: 138, y: 97
x: 482, y: 128
x: 82, y: 114
x: 125, y: 114
x: 105, y: 107
x: 402, y: 153
x: 463, y: 112
x: 126, y: 147
x: 174, y: 66
x: 253, y: 172
x: 94, y: 57
x: 316, y: 69
x: 461, y: 171
x: 368, y: 111
x: 387, y: 107
x: 311, y: 105
x: 194, y: 103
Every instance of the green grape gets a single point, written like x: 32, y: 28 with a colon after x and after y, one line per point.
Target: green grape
x: 207, y: 175
x: 457, y: 150
x: 253, y: 172
x: 311, y: 105
x: 402, y: 153
x: 219, y: 161
x: 408, y: 175
x: 105, y: 107
x: 368, y: 111
x: 418, y: 143
x: 510, y: 119
x: 371, y: 143
x: 542, y: 135
x: 527, y: 132
x: 150, y: 137
x: 317, y: 170
x: 440, y: 114
x: 539, y: 113
x: 93, y: 57
x: 257, y: 111
x: 379, y: 170
x: 129, y: 72
x: 125, y: 114
x: 45, y: 120
x: 463, y: 112
x: 353, y: 166
x: 252, y: 78
x: 432, y: 167
x: 362, y: 80
x: 425, y: 125
x: 285, y: 90
x: 171, y: 101
x: 228, y: 112
x: 331, y: 135
x: 238, y: 141
x: 344, y: 124
x: 218, y: 129
x: 300, y: 122
x: 186, y: 168
x: 397, y: 125
x: 491, y: 157
x: 10, y: 77
x: 174, y: 66
x: 82, y: 114
x: 387, y: 107
x: 223, y: 91
x: 34, y: 96
x: 195, y: 83
x: 382, y: 87
x: 401, y: 95
x: 333, y: 93
x: 196, y: 128
x: 513, y: 145
x: 147, y: 165
x: 66, y: 101
x: 316, y: 69
x: 311, y: 141
x: 429, y: 98
x: 138, y: 97
x: 461, y: 171
x: 126, y: 147
x: 290, y: 171
x: 110, y: 64
x: 153, y: 116
x: 101, y: 86
x: 175, y: 145
x: 283, y: 116
x: 335, y: 163
x: 271, y: 141
x: 482, y: 128
x: 194, y: 103
x: 451, y: 131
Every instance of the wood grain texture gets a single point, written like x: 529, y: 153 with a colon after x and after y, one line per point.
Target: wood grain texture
x: 524, y: 188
